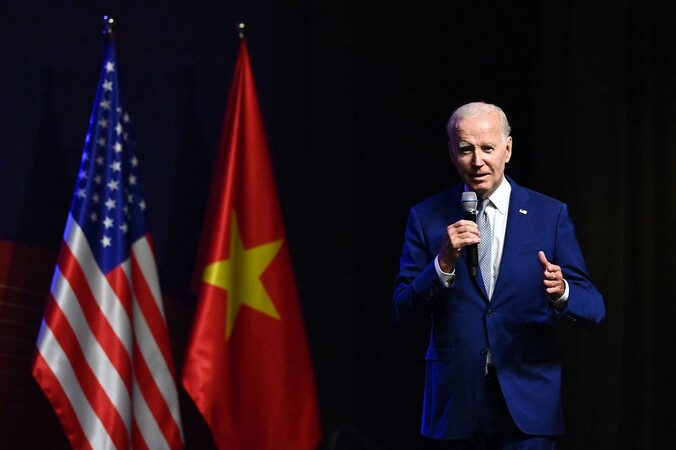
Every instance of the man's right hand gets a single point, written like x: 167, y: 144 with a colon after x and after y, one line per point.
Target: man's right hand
x: 458, y: 235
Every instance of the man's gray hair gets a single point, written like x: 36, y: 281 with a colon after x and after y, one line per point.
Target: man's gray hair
x: 476, y: 109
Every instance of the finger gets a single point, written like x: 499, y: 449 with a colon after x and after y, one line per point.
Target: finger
x: 552, y: 284
x: 549, y: 267
x: 555, y: 291
x: 555, y: 284
x: 553, y: 278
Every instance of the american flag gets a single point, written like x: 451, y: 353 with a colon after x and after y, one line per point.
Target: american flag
x: 103, y: 355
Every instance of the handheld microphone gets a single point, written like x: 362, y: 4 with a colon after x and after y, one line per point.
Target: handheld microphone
x: 469, y: 203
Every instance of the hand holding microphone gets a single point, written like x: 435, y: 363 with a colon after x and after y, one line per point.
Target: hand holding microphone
x: 463, y: 233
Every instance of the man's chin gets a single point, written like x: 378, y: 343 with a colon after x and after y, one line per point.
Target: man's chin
x: 479, y: 188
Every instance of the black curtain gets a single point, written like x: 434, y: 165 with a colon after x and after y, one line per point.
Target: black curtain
x: 589, y: 89
x: 605, y: 109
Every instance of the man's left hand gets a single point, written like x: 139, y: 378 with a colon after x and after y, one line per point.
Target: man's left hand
x: 553, y: 278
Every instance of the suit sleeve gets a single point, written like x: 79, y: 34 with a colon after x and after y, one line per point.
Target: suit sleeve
x: 418, y: 289
x: 585, y: 303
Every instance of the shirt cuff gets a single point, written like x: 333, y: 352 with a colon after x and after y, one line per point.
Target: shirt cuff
x: 446, y: 278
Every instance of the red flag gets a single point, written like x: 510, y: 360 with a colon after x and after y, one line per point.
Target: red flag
x: 103, y: 356
x: 248, y: 366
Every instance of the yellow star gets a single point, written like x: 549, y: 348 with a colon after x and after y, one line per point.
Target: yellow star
x: 240, y: 276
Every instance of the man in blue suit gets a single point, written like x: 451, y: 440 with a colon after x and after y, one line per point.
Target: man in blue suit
x: 493, y: 376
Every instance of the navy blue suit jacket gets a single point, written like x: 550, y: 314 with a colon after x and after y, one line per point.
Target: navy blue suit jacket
x: 518, y: 324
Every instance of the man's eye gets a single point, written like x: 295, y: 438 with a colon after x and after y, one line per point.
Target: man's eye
x: 487, y: 149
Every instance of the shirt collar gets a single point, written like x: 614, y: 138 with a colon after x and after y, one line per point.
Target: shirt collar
x: 500, y: 198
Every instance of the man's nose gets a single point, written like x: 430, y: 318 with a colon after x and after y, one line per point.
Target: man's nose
x: 477, y: 158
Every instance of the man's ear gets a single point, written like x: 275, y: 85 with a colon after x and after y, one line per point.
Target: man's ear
x: 451, y: 154
x: 508, y: 149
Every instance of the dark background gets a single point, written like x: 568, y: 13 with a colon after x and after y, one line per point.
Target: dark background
x: 355, y: 96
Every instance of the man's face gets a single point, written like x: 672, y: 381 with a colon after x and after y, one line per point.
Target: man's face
x: 480, y: 152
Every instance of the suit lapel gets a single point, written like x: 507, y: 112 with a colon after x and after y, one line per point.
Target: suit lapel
x: 518, y: 228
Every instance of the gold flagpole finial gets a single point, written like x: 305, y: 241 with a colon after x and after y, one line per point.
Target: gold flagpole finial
x: 240, y: 29
x: 107, y: 31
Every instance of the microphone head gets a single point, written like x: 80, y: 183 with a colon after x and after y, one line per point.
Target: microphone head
x: 469, y: 201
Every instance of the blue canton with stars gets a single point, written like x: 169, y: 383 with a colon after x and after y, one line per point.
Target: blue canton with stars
x: 108, y: 203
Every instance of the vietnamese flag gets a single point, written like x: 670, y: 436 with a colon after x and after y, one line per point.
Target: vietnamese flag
x: 248, y: 366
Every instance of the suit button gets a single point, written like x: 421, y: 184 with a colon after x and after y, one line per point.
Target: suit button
x: 489, y: 313
x: 483, y: 352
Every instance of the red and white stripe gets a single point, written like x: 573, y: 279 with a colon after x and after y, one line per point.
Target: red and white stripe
x: 103, y: 354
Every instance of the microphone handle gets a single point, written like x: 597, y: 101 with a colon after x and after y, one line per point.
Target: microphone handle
x: 472, y: 252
